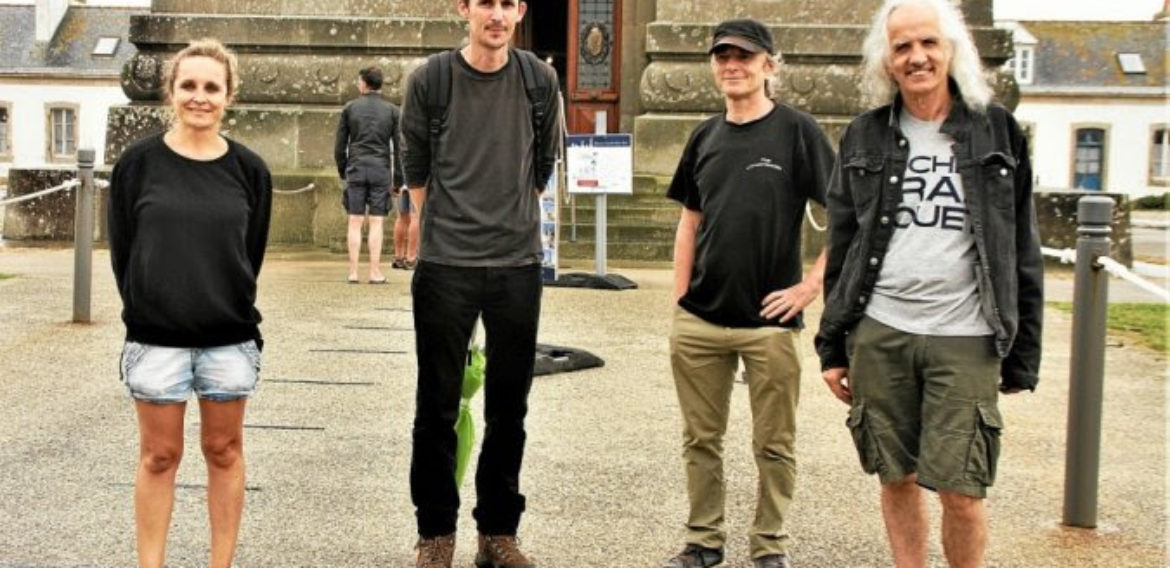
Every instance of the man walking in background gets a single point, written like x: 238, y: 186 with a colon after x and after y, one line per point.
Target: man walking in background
x: 367, y: 156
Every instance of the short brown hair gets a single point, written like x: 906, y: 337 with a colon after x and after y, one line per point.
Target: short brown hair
x: 206, y: 47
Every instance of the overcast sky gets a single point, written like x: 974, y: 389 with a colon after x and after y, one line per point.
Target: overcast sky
x: 1143, y: 10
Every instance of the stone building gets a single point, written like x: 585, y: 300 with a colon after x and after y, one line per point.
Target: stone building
x: 642, y: 61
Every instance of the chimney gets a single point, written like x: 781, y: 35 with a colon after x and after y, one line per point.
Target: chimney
x: 49, y: 16
x: 1164, y: 15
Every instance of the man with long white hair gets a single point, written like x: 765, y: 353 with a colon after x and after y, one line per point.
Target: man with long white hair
x: 934, y: 278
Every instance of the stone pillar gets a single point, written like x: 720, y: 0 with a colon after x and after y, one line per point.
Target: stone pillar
x: 298, y: 65
x: 820, y: 41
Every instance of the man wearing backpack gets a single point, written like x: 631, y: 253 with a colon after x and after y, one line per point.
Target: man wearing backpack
x: 744, y: 180
x: 479, y: 131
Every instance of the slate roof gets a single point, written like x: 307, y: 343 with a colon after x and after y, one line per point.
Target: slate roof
x: 69, y: 53
x: 1082, y: 56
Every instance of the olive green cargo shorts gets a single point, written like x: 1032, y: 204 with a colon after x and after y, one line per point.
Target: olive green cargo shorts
x: 925, y: 404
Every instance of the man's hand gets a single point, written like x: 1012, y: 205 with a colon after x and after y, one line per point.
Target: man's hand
x: 838, y: 380
x: 786, y: 303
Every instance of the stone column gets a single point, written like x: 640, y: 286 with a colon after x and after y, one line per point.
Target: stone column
x: 298, y: 65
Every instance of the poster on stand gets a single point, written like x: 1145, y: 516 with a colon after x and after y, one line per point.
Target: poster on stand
x: 549, y: 217
x: 600, y: 164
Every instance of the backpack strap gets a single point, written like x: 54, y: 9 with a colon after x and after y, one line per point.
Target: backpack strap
x: 438, y: 96
x: 536, y: 86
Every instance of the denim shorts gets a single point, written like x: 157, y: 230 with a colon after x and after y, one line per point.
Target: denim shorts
x: 166, y: 375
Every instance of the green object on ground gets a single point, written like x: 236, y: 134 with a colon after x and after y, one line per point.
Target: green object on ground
x: 6, y: 276
x: 1145, y: 324
x: 464, y: 427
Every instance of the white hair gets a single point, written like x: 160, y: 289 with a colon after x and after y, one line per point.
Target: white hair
x: 965, y: 68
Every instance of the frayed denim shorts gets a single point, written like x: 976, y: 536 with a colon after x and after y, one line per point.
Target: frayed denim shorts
x: 169, y: 375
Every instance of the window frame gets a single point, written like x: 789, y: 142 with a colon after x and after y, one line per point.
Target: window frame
x: 1074, y: 146
x: 1023, y: 64
x: 51, y: 155
x: 6, y: 150
x: 1153, y: 178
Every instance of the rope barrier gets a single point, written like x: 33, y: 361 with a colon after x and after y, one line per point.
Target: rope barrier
x: 65, y: 186
x: 1117, y: 269
x: 1069, y: 256
x: 309, y: 187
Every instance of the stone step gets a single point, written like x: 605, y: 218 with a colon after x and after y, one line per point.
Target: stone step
x: 620, y: 233
x: 623, y: 214
x: 640, y: 251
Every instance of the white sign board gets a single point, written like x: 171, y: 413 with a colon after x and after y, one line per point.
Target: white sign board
x: 600, y: 163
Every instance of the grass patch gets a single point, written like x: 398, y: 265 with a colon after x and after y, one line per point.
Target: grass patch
x: 6, y: 276
x: 1145, y: 324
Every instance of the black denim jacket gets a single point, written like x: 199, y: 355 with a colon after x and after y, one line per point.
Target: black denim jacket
x: 864, y: 193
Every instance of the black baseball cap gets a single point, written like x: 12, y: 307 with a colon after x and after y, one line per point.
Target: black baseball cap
x: 748, y: 35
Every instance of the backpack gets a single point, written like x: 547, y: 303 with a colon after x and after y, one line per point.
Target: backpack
x: 536, y: 85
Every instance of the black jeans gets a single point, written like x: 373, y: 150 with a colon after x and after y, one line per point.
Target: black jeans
x: 447, y: 301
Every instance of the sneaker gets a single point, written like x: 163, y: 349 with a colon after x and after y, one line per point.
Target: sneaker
x: 772, y: 561
x: 399, y: 263
x: 501, y: 551
x: 695, y: 556
x: 436, y: 552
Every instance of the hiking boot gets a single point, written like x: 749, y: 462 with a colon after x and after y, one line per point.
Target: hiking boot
x: 436, y: 552
x: 772, y: 561
x: 501, y: 551
x: 695, y: 556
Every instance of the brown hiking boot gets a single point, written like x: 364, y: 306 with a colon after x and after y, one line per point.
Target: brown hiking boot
x: 436, y: 552
x: 501, y: 551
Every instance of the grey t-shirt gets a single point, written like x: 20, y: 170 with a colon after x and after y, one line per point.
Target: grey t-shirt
x: 927, y: 282
x: 482, y: 205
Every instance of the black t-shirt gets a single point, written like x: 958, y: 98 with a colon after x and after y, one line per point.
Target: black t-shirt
x: 751, y: 183
x: 187, y: 239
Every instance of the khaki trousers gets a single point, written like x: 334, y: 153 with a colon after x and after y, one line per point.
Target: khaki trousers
x: 703, y: 358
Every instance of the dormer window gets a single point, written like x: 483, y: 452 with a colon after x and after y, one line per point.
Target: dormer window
x: 106, y: 46
x: 1023, y: 65
x: 1131, y: 63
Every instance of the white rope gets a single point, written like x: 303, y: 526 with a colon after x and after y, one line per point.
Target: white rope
x: 1066, y: 256
x: 811, y: 221
x: 67, y: 185
x: 1119, y: 270
x: 309, y: 187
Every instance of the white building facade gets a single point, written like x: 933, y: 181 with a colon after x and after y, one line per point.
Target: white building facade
x: 1094, y: 98
x: 58, y: 79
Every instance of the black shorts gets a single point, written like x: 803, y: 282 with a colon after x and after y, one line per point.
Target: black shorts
x: 367, y: 191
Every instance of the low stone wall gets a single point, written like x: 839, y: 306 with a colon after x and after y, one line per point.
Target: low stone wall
x: 1056, y: 212
x: 50, y: 217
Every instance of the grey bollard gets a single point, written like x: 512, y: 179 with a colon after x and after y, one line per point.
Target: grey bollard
x: 83, y: 237
x: 1087, y: 365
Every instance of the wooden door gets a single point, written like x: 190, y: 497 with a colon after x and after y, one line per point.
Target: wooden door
x: 594, y: 63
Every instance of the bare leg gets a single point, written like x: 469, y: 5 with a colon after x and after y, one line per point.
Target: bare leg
x: 375, y: 239
x: 904, y: 511
x: 160, y: 434
x: 223, y: 449
x: 412, y: 238
x: 964, y: 529
x: 401, y: 230
x: 354, y: 242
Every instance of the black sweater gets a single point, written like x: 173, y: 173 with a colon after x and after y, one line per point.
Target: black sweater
x: 187, y: 240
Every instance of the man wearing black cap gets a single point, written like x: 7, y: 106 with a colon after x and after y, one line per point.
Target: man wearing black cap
x: 743, y: 181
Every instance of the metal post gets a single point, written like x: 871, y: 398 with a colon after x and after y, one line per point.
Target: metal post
x: 1087, y: 374
x: 83, y: 237
x: 599, y: 244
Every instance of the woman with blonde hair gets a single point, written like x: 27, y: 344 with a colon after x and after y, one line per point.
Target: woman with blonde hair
x: 188, y: 223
